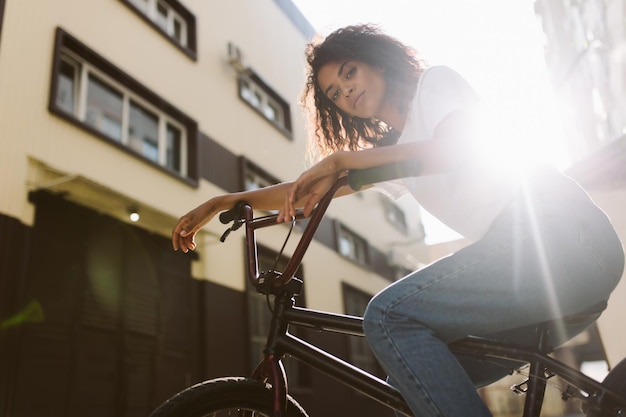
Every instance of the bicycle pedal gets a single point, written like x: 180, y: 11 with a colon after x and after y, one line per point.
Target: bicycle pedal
x: 520, y: 388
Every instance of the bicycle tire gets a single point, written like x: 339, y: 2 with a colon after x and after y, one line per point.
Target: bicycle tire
x: 225, y: 397
x: 616, y: 381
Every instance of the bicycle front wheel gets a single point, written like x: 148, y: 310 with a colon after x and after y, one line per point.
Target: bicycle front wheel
x: 226, y: 397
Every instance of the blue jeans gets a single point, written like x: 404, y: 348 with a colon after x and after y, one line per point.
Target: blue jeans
x: 551, y: 253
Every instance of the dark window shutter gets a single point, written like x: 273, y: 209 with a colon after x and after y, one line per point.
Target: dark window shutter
x: 118, y: 335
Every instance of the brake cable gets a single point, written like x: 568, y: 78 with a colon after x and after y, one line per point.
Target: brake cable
x: 277, y: 260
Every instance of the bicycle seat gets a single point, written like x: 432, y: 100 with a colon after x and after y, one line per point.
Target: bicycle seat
x: 557, y: 331
x: 589, y: 315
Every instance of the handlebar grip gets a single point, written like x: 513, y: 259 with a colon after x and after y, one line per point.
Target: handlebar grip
x: 233, y: 213
x: 360, y: 177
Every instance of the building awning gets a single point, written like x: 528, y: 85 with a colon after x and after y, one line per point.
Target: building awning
x: 98, y: 197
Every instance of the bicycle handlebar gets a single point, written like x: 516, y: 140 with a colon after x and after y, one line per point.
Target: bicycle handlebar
x: 232, y: 214
x: 360, y: 177
x: 357, y: 178
x: 241, y: 213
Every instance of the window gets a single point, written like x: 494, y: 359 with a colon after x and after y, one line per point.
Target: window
x: 259, y: 317
x: 66, y: 92
x: 118, y: 114
x: 254, y: 177
x: 395, y: 215
x: 351, y: 245
x: 254, y: 92
x: 171, y: 19
x: 104, y: 107
x: 97, y: 96
x: 355, y: 302
x: 173, y: 146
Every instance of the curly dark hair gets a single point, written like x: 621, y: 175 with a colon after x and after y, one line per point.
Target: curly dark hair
x: 334, y: 129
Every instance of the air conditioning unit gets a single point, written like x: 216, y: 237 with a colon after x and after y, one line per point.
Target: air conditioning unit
x: 400, y: 259
x: 235, y: 59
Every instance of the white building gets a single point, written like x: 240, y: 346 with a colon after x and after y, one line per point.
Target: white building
x: 586, y: 57
x: 152, y: 106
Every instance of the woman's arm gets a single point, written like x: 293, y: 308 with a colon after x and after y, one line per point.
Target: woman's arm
x: 449, y: 149
x: 442, y: 154
x: 267, y: 198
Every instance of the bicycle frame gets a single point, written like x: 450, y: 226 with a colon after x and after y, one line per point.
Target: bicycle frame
x: 280, y: 342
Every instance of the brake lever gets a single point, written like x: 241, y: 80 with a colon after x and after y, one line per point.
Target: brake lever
x: 236, y: 225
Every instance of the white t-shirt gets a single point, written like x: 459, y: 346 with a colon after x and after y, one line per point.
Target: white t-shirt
x: 468, y: 199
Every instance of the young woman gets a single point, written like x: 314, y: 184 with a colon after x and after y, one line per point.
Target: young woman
x: 541, y: 249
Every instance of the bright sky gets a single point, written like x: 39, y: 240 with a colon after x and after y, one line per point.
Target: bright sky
x: 497, y: 45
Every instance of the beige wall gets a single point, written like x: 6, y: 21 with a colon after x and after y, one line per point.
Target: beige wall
x: 40, y: 149
x: 190, y: 86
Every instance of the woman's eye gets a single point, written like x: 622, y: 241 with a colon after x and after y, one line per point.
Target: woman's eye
x: 350, y: 73
x: 335, y: 94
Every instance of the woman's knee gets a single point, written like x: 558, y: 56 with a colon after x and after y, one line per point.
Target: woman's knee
x: 373, y: 317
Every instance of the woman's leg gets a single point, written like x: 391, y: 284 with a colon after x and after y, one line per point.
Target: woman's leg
x: 529, y: 268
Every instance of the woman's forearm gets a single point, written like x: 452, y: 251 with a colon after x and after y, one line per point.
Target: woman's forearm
x: 266, y: 198
x: 368, y: 158
x: 450, y: 148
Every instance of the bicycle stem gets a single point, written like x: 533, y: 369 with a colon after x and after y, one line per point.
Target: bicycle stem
x: 253, y: 224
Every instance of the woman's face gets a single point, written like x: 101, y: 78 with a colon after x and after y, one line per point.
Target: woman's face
x: 355, y: 87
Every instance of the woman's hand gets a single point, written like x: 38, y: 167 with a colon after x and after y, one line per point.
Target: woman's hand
x: 266, y: 198
x: 310, y: 187
x: 184, y: 233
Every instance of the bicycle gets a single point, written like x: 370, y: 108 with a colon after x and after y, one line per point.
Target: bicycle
x: 265, y: 391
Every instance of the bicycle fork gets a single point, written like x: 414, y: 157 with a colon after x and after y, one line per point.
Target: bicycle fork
x: 271, y: 368
x: 537, y: 378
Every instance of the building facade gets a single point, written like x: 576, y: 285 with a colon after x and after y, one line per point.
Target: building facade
x: 148, y: 107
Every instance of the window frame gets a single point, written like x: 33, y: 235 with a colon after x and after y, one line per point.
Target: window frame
x: 189, y: 47
x: 284, y: 124
x: 395, y: 215
x: 250, y: 168
x: 2, y: 2
x: 341, y: 228
x: 358, y: 345
x: 68, y: 46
